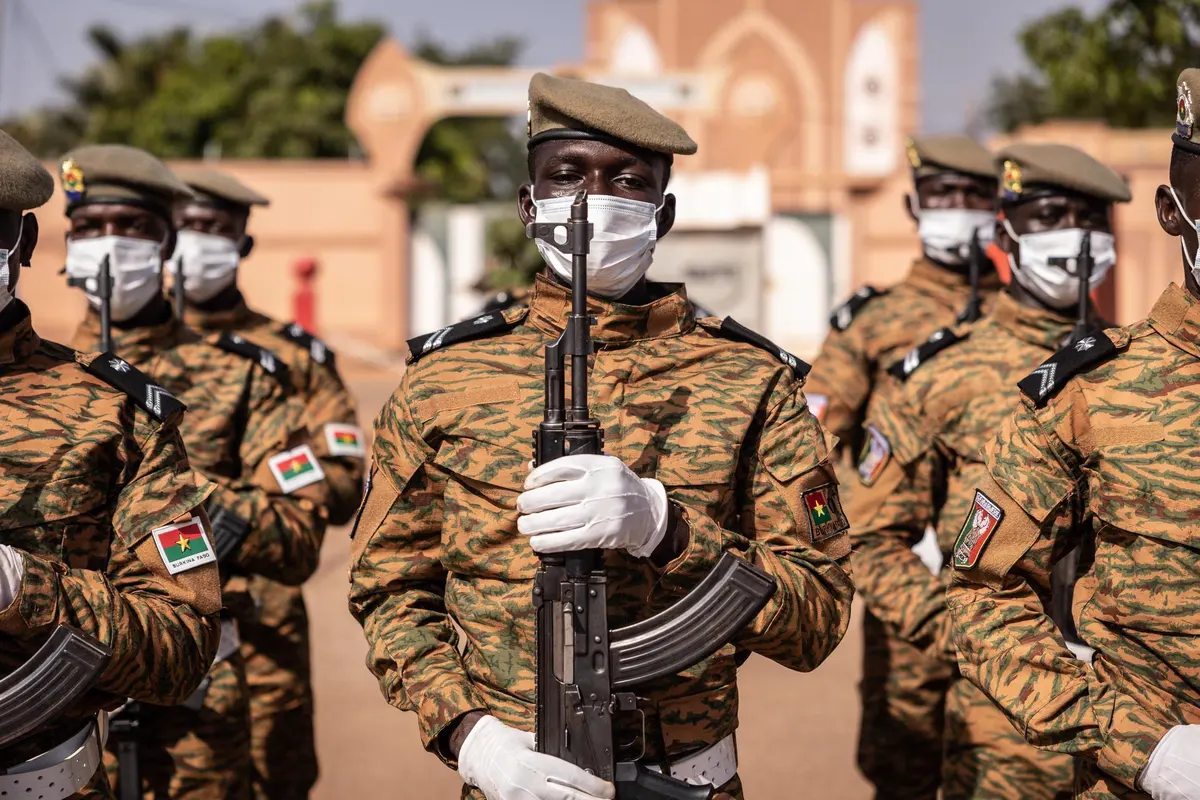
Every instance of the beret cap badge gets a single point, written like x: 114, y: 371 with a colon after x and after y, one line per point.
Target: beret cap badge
x: 1185, y: 118
x: 1012, y: 180
x: 914, y: 157
x: 72, y: 180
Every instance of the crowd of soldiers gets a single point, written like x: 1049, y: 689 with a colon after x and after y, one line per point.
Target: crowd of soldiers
x: 1045, y: 647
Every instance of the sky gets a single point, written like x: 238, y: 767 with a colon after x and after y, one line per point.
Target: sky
x: 964, y: 42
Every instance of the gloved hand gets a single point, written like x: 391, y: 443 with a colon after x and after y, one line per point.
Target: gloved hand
x: 1173, y: 771
x: 12, y: 567
x: 501, y: 762
x: 589, y: 501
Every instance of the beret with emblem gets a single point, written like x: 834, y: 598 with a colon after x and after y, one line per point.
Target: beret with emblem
x: 1034, y: 169
x: 1186, y: 136
x: 114, y: 173
x: 24, y: 182
x: 565, y: 108
x: 222, y: 187
x: 931, y: 155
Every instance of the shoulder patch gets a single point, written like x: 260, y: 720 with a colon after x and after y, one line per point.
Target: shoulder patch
x: 465, y: 331
x: 119, y: 373
x: 936, y: 343
x: 233, y: 343
x: 982, y: 521
x: 730, y: 328
x: 1045, y: 381
x: 317, y: 349
x: 843, y: 315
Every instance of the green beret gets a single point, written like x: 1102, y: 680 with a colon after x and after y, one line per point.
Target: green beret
x: 930, y: 155
x: 113, y: 173
x: 1030, y: 168
x: 222, y: 187
x: 565, y: 108
x: 24, y: 182
x: 1185, y: 113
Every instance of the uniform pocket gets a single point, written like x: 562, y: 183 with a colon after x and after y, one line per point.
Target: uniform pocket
x: 66, y: 519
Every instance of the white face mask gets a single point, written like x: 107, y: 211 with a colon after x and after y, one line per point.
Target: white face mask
x: 1055, y: 285
x: 622, y: 246
x: 1190, y: 260
x: 946, y: 233
x: 209, y: 262
x: 135, y: 266
x: 6, y: 268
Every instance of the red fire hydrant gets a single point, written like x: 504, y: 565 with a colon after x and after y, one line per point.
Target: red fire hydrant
x: 304, y: 299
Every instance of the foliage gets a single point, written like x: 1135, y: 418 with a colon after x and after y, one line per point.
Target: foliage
x: 514, y: 258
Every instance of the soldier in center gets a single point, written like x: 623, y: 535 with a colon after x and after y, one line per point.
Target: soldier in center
x: 243, y: 431
x: 710, y: 447
x: 925, y: 431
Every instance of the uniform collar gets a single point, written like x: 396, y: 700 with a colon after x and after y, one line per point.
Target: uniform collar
x: 1037, y: 326
x: 136, y: 345
x: 226, y: 319
x: 670, y: 315
x: 1176, y: 316
x: 947, y: 286
x: 18, y: 340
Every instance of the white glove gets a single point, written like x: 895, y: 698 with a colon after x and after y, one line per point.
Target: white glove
x: 12, y: 567
x: 1081, y: 651
x: 1173, y: 771
x: 501, y: 762
x: 588, y: 501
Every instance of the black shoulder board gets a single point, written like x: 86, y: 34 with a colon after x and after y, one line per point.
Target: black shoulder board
x: 1045, y: 381
x: 843, y: 315
x: 233, y: 343
x: 465, y: 331
x: 936, y: 343
x: 125, y: 376
x: 735, y: 330
x: 319, y: 351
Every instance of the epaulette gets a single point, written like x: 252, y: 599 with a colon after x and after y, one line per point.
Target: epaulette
x: 119, y: 373
x: 316, y: 348
x: 1045, y: 381
x: 233, y: 343
x: 843, y: 315
x: 732, y: 329
x: 936, y: 343
x: 471, y: 328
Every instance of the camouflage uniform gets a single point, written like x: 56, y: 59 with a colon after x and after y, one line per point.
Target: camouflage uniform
x: 89, y: 473
x: 240, y: 421
x: 722, y: 424
x: 275, y: 643
x: 950, y: 396
x: 903, y: 690
x: 1098, y: 448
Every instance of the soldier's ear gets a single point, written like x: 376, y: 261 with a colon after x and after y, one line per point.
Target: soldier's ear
x: 1001, y: 237
x: 245, y: 246
x: 666, y: 216
x: 910, y: 203
x: 29, y: 240
x: 1169, y: 218
x: 525, y: 209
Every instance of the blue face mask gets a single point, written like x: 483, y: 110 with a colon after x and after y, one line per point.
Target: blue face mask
x: 1190, y: 260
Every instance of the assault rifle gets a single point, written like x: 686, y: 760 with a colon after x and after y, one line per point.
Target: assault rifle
x: 104, y: 294
x: 586, y: 672
x: 975, y: 256
x: 177, y: 287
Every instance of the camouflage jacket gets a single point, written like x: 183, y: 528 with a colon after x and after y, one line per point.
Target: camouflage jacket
x: 328, y: 407
x: 722, y: 423
x: 89, y: 475
x: 875, y: 328
x: 1106, y: 454
x: 240, y: 429
x: 922, y: 463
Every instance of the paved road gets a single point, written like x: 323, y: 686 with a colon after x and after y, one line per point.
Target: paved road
x: 796, y: 738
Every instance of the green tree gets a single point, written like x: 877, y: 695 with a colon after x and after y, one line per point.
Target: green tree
x: 1118, y: 66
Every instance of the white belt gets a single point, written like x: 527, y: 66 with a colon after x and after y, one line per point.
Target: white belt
x: 713, y: 766
x: 59, y: 772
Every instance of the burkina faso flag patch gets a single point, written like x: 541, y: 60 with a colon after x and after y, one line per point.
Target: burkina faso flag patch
x: 344, y: 440
x: 183, y: 546
x: 294, y: 469
x: 825, y: 517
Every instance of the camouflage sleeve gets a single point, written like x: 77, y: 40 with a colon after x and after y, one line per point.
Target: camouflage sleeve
x: 1023, y: 518
x: 792, y: 526
x: 333, y: 421
x: 890, y: 511
x: 398, y: 582
x: 841, y: 373
x: 282, y: 493
x: 162, y: 628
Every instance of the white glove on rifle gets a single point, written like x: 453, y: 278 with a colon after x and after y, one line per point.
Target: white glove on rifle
x: 1173, y: 771
x: 589, y: 501
x: 501, y: 762
x: 12, y: 567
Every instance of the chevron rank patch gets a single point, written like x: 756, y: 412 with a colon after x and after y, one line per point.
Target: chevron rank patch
x: 465, y: 331
x: 936, y: 343
x: 183, y: 546
x: 876, y: 452
x: 344, y: 440
x: 317, y: 349
x: 982, y: 521
x: 1046, y: 381
x: 844, y: 314
x: 825, y: 517
x: 294, y: 469
x: 120, y: 374
x: 239, y: 345
x: 732, y: 329
x: 818, y: 404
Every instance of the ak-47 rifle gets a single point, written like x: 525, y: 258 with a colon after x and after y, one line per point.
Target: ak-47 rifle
x: 177, y: 287
x: 975, y: 256
x: 585, y: 671
x: 104, y: 294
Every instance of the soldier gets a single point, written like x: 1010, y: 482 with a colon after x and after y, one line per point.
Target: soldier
x: 949, y: 396
x: 242, y: 432
x: 953, y: 199
x: 275, y: 643
x: 1101, y: 449
x: 99, y: 496
x: 724, y: 455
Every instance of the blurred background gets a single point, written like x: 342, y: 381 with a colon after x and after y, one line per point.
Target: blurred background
x: 389, y: 135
